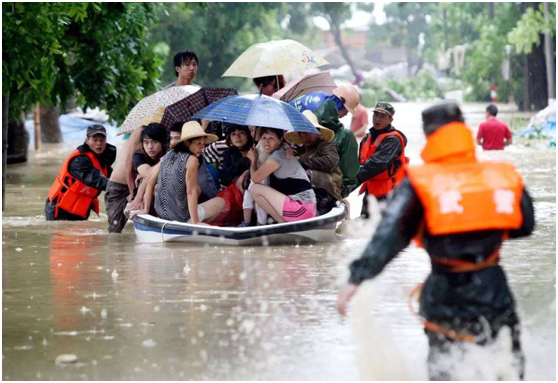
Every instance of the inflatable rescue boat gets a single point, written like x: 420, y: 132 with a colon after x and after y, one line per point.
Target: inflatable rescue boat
x: 150, y: 229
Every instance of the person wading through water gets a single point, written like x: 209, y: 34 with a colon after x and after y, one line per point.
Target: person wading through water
x: 83, y: 176
x: 381, y: 156
x: 460, y: 210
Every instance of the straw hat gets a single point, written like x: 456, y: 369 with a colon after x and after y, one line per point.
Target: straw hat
x: 156, y: 118
x: 327, y: 134
x: 192, y: 129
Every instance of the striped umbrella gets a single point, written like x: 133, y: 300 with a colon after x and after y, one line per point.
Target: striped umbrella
x: 257, y: 110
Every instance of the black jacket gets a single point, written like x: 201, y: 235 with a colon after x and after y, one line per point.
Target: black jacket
x: 81, y: 167
x: 384, y: 157
x: 233, y: 166
x: 445, y: 295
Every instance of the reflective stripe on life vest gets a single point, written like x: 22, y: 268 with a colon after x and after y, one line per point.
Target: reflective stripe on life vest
x: 386, y: 181
x: 72, y: 195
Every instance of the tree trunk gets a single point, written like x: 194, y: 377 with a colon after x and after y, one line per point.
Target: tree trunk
x: 526, y: 94
x: 538, y: 87
x: 445, y: 17
x: 18, y: 141
x: 5, y: 107
x: 336, y: 31
x: 490, y: 11
x: 550, y: 59
x: 50, y: 128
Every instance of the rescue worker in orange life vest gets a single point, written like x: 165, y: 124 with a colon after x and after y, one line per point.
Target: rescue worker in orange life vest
x: 381, y: 156
x: 83, y: 176
x: 460, y: 210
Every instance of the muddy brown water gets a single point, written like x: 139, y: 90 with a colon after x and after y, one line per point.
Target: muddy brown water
x: 132, y: 311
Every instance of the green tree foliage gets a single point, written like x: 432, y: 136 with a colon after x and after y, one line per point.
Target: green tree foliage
x: 485, y: 28
x: 218, y: 33
x: 531, y: 25
x: 406, y: 22
x: 95, y: 51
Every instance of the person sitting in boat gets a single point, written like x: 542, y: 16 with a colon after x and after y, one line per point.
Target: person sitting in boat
x: 185, y: 189
x: 248, y: 204
x: 175, y: 132
x: 235, y: 161
x: 319, y: 157
x: 268, y: 85
x: 346, y: 144
x: 290, y: 197
x: 154, y: 139
x: 345, y: 97
x: 83, y: 176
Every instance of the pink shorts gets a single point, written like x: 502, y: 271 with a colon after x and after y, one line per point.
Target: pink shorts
x: 297, y: 210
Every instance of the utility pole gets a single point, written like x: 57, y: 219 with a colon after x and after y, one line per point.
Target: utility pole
x: 5, y: 105
x: 37, y: 123
x: 549, y: 58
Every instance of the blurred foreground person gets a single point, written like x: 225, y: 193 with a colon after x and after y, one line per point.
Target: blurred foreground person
x: 460, y: 210
x: 83, y: 176
x: 493, y: 134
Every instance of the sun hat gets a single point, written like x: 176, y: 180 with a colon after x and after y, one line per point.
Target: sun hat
x: 96, y: 129
x: 294, y: 137
x: 155, y: 118
x: 193, y: 129
x: 349, y: 96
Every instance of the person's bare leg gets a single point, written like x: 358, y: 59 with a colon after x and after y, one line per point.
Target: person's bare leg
x: 270, y: 200
x: 247, y: 215
x: 212, y: 208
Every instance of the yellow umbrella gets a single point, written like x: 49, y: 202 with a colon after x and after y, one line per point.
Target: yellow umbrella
x: 274, y: 58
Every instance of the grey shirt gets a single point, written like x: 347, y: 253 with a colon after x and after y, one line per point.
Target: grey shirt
x: 292, y: 169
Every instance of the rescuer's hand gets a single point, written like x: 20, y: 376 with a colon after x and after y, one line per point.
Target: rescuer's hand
x: 345, y: 295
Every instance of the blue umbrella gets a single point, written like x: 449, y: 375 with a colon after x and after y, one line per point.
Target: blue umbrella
x: 257, y: 110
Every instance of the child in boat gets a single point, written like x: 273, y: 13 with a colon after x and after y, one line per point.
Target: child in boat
x: 290, y: 197
x: 235, y: 161
x: 154, y: 139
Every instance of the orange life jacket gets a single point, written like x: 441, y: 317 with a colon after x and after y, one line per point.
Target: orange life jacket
x: 71, y: 194
x: 460, y: 194
x: 386, y: 181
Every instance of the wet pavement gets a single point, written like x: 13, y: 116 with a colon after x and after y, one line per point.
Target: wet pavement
x: 132, y: 311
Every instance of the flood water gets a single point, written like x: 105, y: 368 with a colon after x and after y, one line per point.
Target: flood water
x: 132, y: 311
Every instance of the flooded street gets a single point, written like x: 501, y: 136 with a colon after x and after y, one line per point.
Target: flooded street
x: 132, y: 311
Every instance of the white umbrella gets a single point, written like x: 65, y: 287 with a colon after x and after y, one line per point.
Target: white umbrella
x: 274, y: 58
x: 148, y: 105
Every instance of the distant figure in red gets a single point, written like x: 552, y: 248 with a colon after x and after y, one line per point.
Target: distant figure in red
x: 359, y: 123
x: 493, y: 134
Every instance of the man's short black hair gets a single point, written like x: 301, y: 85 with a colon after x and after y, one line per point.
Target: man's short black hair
x: 184, y: 57
x: 177, y: 126
x: 156, y: 132
x: 492, y: 110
